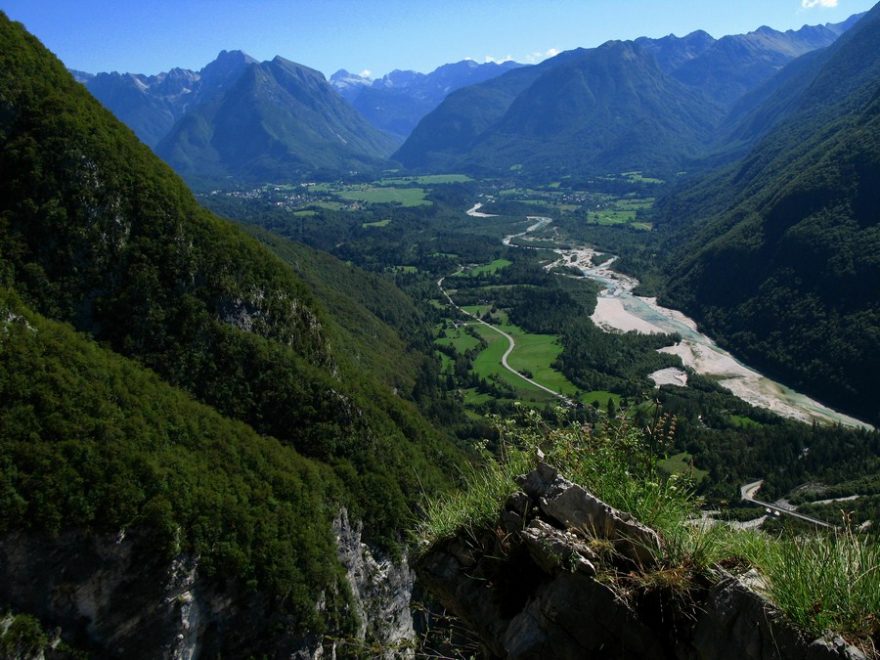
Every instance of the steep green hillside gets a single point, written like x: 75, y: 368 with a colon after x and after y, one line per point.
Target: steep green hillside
x: 784, y: 263
x: 379, y: 327
x: 589, y: 110
x: 612, y: 109
x: 279, y: 120
x: 97, y: 232
x: 94, y: 441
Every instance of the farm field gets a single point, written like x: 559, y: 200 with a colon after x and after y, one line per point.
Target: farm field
x: 408, y: 197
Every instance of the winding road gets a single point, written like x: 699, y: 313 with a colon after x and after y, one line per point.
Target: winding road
x: 511, y: 345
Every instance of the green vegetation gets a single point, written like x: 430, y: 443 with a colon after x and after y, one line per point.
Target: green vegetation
x: 613, y: 461
x: 458, y: 339
x: 372, y: 323
x: 683, y: 464
x: 218, y: 370
x: 377, y: 223
x: 386, y: 195
x: 21, y: 636
x: 487, y: 365
x: 777, y: 253
x: 822, y: 582
x: 91, y: 440
x: 827, y: 582
x: 557, y: 345
x: 486, y: 269
x: 621, y: 211
x: 425, y: 180
x: 743, y: 422
x: 637, y: 177
x: 330, y: 206
x: 601, y: 398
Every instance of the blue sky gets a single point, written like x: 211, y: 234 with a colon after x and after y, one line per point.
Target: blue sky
x: 148, y: 36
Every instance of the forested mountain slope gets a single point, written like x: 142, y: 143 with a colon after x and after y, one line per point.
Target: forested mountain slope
x: 599, y: 109
x: 95, y: 445
x: 378, y: 326
x: 783, y: 264
x: 95, y: 231
x: 655, y: 104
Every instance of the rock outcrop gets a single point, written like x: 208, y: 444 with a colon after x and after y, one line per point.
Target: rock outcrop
x: 115, y: 596
x: 381, y: 590
x: 554, y: 578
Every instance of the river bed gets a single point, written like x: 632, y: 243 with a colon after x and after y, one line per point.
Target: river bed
x: 618, y: 309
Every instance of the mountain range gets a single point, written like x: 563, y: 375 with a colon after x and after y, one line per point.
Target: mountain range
x: 278, y: 120
x: 777, y: 253
x: 397, y: 102
x: 275, y: 120
x: 654, y: 104
x: 243, y: 118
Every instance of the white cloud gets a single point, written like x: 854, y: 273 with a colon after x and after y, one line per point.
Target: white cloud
x: 538, y: 56
x: 497, y: 60
x: 366, y: 73
x: 809, y: 4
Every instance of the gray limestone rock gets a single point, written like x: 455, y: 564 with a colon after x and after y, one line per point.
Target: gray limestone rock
x: 553, y: 550
x: 575, y: 508
x: 381, y: 590
x: 537, y: 590
x: 740, y: 624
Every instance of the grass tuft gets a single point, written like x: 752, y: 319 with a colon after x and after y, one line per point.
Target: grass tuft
x: 828, y: 582
x: 475, y: 506
x: 824, y: 582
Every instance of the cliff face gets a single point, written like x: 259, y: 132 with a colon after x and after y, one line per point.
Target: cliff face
x: 381, y: 590
x: 552, y: 579
x: 110, y: 595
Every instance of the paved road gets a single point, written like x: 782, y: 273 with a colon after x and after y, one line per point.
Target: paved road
x: 747, y: 492
x: 511, y: 344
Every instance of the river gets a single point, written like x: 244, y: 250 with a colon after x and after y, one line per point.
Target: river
x: 618, y: 309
